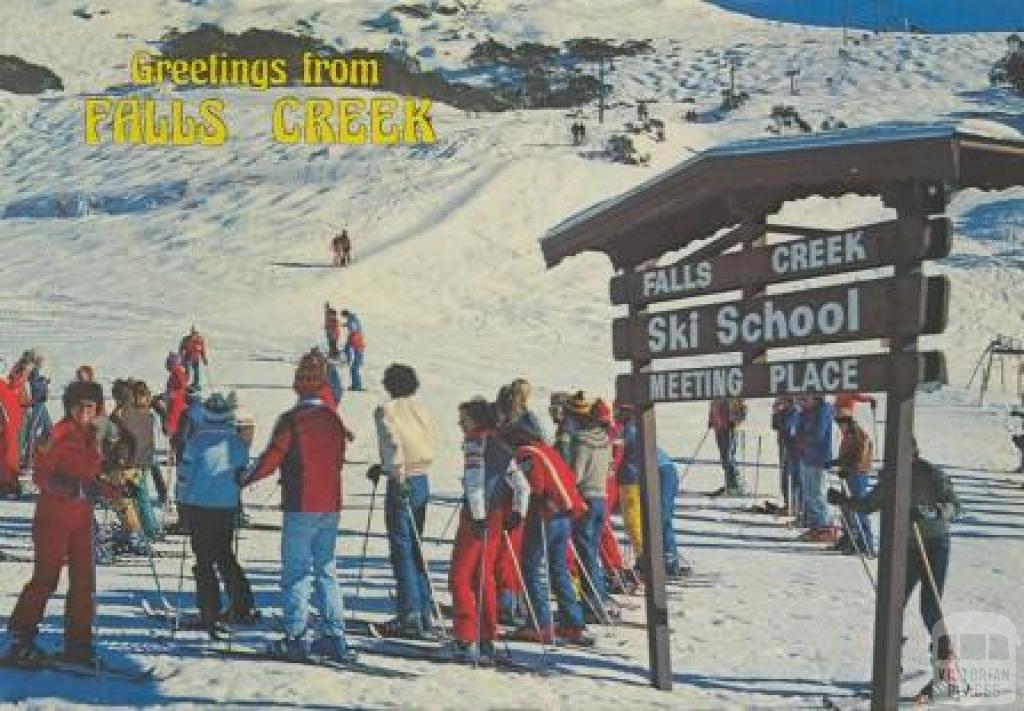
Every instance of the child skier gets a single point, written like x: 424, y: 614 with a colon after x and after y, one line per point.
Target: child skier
x: 495, y: 501
x: 355, y: 344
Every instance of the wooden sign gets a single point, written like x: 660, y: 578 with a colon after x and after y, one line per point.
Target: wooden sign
x: 822, y: 376
x: 818, y: 253
x: 852, y: 312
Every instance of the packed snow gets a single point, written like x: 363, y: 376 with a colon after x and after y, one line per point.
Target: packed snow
x: 112, y: 252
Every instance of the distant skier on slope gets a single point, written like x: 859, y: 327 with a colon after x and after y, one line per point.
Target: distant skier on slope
x: 355, y: 344
x: 308, y: 446
x: 193, y: 355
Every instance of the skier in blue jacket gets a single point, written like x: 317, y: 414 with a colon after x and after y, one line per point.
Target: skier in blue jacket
x: 208, y: 489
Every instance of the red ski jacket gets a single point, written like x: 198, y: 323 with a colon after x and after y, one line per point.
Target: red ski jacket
x: 308, y: 445
x: 193, y: 348
x: 10, y: 426
x: 177, y: 381
x: 551, y: 479
x: 69, y: 462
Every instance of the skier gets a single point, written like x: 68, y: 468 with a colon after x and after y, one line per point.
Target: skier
x: 785, y: 419
x: 193, y: 355
x: 854, y: 463
x: 355, y: 344
x: 135, y: 417
x: 67, y: 473
x: 407, y: 438
x: 725, y: 415
x: 308, y: 445
x: 814, y: 439
x: 119, y: 468
x: 628, y: 474
x: 345, y: 247
x: 668, y: 478
x: 934, y: 505
x: 590, y: 456
x: 332, y: 329
x: 555, y: 503
x: 37, y: 424
x: 494, y: 501
x: 1018, y: 440
x: 608, y: 543
x: 177, y: 382
x: 10, y: 427
x: 207, y: 486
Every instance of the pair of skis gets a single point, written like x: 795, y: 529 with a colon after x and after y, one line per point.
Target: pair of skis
x: 100, y: 669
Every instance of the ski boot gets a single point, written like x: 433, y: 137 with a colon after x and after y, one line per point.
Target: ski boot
x: 529, y: 634
x: 22, y: 649
x: 81, y: 654
x: 403, y: 627
x: 573, y: 635
x: 293, y: 649
x: 464, y: 652
x: 487, y: 653
x: 334, y: 649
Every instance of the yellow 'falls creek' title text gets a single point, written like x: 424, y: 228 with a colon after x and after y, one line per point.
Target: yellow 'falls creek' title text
x: 350, y: 120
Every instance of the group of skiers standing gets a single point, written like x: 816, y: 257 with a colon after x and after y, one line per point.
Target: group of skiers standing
x: 534, y: 518
x: 345, y: 328
x: 804, y: 429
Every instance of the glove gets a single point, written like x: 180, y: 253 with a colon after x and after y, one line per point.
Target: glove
x: 837, y: 497
x: 480, y: 528
x: 241, y: 476
x: 350, y: 436
x: 831, y: 464
x: 924, y: 512
x: 374, y: 473
x: 513, y: 521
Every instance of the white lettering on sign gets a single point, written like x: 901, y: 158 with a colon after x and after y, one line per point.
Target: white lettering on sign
x: 819, y: 252
x: 704, y: 384
x: 826, y: 376
x: 770, y: 324
x: 677, y: 279
x: 673, y: 331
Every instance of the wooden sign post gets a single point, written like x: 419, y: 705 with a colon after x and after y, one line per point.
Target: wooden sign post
x: 897, y: 309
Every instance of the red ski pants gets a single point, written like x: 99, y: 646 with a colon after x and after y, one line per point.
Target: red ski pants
x: 61, y: 529
x: 464, y: 578
x: 611, y: 552
x: 506, y: 576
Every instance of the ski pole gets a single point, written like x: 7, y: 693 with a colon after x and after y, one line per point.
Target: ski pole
x: 757, y: 468
x: 423, y: 559
x: 596, y: 604
x: 935, y: 591
x: 844, y: 517
x: 366, y: 540
x: 455, y: 511
x: 696, y: 453
x: 529, y: 601
x: 181, y: 578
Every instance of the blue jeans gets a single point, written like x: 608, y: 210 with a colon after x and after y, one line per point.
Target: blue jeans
x: 815, y: 505
x: 411, y: 583
x: 557, y: 531
x: 354, y: 364
x: 726, y: 441
x: 308, y: 565
x: 586, y: 534
x: 859, y: 523
x: 669, y: 476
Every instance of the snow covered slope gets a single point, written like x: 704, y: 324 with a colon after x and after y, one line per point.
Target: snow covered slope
x: 110, y: 253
